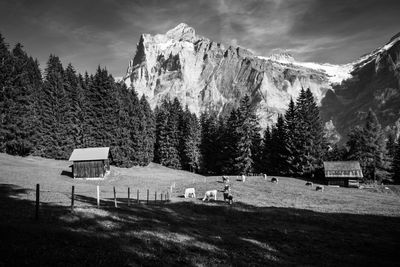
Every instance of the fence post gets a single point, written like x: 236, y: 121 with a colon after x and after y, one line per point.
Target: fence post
x: 148, y: 196
x: 129, y: 196
x: 138, y: 201
x: 98, y: 197
x: 115, y: 197
x: 37, y: 201
x: 72, y: 198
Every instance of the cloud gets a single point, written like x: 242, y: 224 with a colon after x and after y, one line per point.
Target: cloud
x: 88, y: 33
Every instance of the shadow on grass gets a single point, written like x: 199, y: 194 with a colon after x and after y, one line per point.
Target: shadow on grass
x: 190, y: 233
x: 67, y: 173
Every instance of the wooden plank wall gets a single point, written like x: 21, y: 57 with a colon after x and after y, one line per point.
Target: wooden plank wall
x: 89, y: 169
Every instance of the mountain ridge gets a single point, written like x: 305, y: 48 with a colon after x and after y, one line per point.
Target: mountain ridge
x: 204, y: 74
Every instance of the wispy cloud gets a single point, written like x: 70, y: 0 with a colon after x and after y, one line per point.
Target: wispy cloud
x: 88, y: 33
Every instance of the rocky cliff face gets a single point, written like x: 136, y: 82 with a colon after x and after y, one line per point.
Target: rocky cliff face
x: 204, y: 74
x: 374, y: 83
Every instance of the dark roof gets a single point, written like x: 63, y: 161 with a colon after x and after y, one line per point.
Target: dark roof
x: 342, y: 169
x: 92, y: 153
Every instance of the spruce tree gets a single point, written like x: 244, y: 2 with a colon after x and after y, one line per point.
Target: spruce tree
x: 292, y: 132
x: 19, y: 118
x: 167, y: 133
x: 266, y: 151
x: 246, y: 131
x: 396, y: 163
x: 208, y: 145
x: 366, y: 145
x: 279, y: 152
x: 148, y: 132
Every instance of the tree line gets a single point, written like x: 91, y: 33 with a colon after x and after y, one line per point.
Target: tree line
x: 49, y: 114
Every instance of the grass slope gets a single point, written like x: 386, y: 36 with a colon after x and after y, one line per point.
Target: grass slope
x: 284, y: 224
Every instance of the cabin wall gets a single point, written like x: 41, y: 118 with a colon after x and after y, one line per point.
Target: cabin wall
x: 89, y: 169
x: 338, y: 181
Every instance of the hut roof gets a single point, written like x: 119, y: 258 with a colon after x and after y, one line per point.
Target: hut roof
x: 342, y: 168
x: 92, y: 153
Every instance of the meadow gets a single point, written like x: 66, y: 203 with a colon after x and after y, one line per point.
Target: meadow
x: 283, y: 224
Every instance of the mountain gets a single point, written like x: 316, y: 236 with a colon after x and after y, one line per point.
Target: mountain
x: 375, y: 84
x: 204, y: 74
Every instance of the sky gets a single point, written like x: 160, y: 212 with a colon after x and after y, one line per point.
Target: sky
x: 89, y: 33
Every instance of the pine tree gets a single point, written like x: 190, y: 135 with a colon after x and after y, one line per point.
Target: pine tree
x: 279, y: 153
x: 208, y: 145
x: 310, y: 143
x: 19, y: 109
x: 292, y: 129
x: 366, y: 145
x: 191, y: 142
x: 167, y: 133
x: 266, y: 151
x: 148, y: 130
x: 374, y: 143
x: 246, y: 131
x: 396, y: 164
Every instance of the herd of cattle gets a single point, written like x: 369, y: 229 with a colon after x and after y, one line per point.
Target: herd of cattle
x: 228, y: 197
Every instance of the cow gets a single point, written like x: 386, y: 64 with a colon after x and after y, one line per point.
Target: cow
x: 190, y: 192
x: 227, y: 194
x: 309, y: 184
x: 210, y: 194
x: 225, y: 179
x: 274, y: 180
x: 265, y: 177
x: 319, y: 188
x: 243, y: 178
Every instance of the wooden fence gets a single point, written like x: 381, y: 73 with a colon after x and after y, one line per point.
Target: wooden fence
x: 164, y: 197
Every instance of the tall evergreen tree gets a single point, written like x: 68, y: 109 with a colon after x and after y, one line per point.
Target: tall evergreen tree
x: 19, y: 109
x: 191, y: 142
x: 246, y: 131
x: 167, y: 135
x: 266, y: 151
x: 292, y: 132
x: 396, y: 163
x: 366, y: 145
x: 208, y: 145
x: 148, y: 132
x: 279, y: 152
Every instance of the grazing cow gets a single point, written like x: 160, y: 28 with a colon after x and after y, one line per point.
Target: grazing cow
x: 319, y: 188
x: 274, y: 180
x: 225, y: 179
x: 228, y: 195
x: 243, y: 178
x: 309, y: 184
x: 210, y: 194
x: 190, y: 192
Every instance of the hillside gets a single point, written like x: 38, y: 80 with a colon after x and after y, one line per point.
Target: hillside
x: 269, y: 224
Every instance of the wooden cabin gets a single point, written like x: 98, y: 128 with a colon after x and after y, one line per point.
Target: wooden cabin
x: 342, y: 173
x: 90, y: 162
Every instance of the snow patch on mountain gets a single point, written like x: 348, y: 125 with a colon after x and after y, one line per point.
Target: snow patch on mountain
x: 336, y: 73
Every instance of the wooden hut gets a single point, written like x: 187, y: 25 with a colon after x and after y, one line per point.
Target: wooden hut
x: 342, y: 173
x: 90, y: 162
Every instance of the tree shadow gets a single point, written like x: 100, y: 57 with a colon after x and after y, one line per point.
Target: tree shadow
x: 189, y: 233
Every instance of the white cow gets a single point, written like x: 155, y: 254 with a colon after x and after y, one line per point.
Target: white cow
x: 319, y: 188
x: 243, y: 178
x: 190, y: 192
x: 210, y: 194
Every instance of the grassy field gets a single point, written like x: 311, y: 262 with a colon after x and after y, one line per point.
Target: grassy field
x: 284, y: 224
